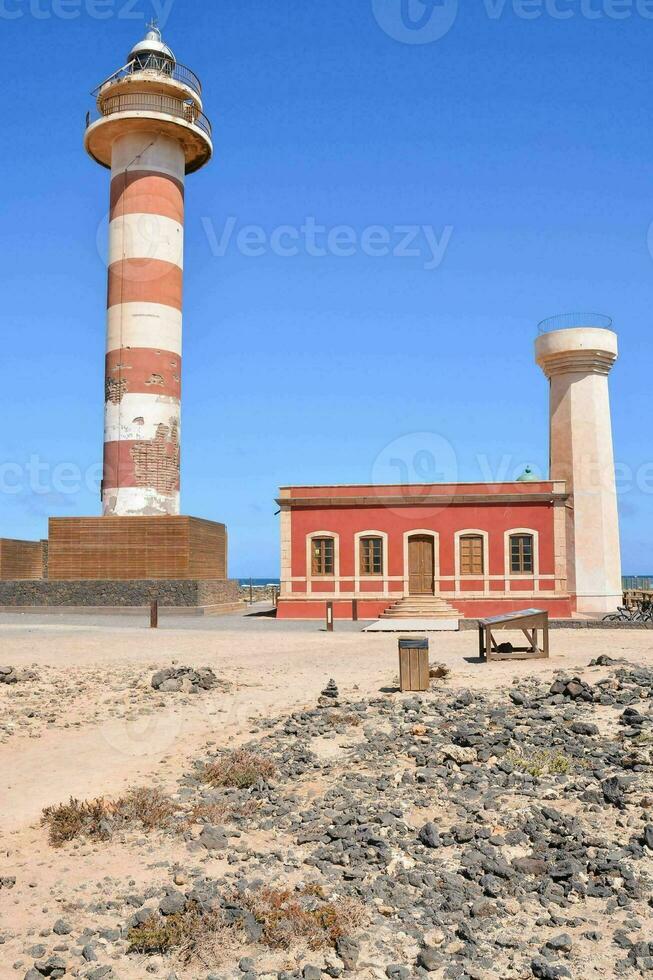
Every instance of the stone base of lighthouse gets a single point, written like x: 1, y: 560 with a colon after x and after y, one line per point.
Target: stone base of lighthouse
x: 175, y: 596
x: 129, y: 561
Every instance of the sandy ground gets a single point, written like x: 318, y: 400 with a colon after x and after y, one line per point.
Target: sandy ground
x: 90, y: 723
x: 98, y: 726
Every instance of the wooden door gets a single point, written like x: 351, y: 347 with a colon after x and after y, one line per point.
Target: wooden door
x: 421, y: 566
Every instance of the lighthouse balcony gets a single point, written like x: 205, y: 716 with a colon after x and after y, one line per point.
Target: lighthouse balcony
x: 152, y: 73
x: 156, y: 65
x: 149, y: 112
x: 182, y: 109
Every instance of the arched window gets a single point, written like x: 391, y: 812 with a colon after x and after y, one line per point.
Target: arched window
x: 371, y: 556
x: 522, y: 554
x: 323, y: 556
x: 471, y: 555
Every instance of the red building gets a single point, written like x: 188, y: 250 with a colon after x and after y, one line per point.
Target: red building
x: 482, y: 548
x: 478, y: 549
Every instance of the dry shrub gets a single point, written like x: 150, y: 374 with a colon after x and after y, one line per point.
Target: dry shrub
x: 152, y: 808
x: 292, y: 917
x: 99, y: 818
x: 87, y: 818
x: 289, y: 918
x: 223, y: 811
x: 240, y: 769
x: 344, y: 718
x: 209, y: 941
x: 194, y: 936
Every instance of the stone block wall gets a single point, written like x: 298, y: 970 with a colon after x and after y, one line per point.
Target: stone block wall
x: 137, y: 592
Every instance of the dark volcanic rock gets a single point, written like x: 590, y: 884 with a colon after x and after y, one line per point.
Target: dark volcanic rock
x: 429, y: 959
x: 548, y: 971
x: 534, y: 845
x: 429, y: 835
x: 213, y: 838
x: 184, y: 679
x: 349, y: 951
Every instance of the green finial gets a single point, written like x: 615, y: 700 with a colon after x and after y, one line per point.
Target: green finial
x: 528, y: 476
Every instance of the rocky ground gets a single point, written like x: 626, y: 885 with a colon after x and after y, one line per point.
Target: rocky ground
x: 494, y: 833
x: 37, y: 699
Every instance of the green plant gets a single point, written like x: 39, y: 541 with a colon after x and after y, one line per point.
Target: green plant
x: 158, y: 935
x: 540, y: 762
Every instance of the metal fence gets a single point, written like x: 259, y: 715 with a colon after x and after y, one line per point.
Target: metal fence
x: 637, y: 583
x: 154, y: 103
x: 155, y: 64
x: 565, y: 321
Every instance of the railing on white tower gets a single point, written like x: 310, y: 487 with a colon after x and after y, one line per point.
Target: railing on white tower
x: 155, y: 65
x: 140, y: 102
x: 567, y: 321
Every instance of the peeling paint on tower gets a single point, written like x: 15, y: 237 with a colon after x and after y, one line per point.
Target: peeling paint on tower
x: 149, y: 152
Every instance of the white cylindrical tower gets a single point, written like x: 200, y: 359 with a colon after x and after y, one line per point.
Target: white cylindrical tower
x: 576, y: 353
x: 150, y: 133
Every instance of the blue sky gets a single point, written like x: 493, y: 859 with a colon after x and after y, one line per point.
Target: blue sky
x: 515, y: 149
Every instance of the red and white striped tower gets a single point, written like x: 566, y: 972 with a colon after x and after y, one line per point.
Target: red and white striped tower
x: 150, y: 132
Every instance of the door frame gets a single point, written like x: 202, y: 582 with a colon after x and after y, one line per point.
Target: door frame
x: 422, y: 533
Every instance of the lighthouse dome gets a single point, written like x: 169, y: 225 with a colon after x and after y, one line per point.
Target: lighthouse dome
x: 151, y: 47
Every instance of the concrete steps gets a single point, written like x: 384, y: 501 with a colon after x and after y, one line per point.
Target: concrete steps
x: 421, y: 607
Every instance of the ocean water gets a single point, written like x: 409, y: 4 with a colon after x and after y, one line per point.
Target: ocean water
x: 259, y: 581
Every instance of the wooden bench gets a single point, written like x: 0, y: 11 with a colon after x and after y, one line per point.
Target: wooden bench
x: 528, y: 621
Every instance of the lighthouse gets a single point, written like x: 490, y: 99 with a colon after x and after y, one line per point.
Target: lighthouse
x: 577, y: 353
x: 150, y: 131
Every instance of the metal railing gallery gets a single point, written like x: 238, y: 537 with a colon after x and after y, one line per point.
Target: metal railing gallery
x: 159, y: 66
x: 567, y: 321
x: 165, y: 104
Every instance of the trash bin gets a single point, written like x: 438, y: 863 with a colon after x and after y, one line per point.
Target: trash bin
x: 414, y: 663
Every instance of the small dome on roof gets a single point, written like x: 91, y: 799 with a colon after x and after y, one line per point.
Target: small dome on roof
x: 528, y: 476
x: 152, y: 43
